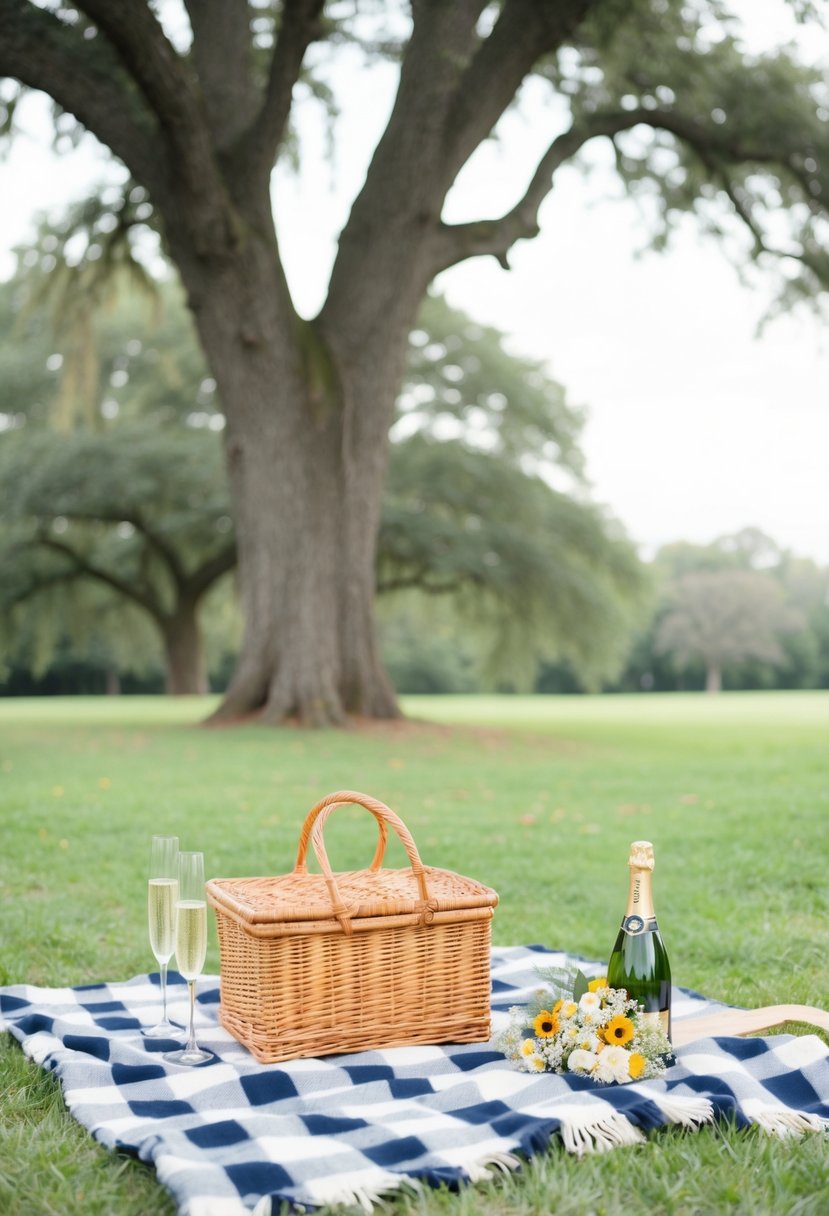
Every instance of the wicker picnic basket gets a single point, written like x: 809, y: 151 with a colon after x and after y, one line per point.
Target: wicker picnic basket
x: 317, y: 964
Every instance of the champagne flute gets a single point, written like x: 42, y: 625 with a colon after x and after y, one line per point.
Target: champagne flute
x: 191, y: 946
x: 162, y: 893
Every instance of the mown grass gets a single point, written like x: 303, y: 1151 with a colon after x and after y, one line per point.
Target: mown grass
x: 537, y: 796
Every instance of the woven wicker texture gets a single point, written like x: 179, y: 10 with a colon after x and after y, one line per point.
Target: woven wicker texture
x: 314, y: 964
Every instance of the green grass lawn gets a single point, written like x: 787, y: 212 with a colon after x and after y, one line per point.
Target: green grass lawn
x: 538, y: 797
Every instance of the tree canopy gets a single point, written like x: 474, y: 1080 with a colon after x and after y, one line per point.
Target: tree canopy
x: 134, y: 502
x: 140, y: 514
x: 200, y: 111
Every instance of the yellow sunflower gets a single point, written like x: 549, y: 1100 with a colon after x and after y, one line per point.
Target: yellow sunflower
x: 596, y: 984
x: 546, y: 1024
x: 557, y: 1006
x: 619, y: 1031
x: 636, y: 1064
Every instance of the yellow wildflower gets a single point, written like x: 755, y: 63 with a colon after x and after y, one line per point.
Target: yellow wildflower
x: 636, y: 1064
x: 619, y: 1030
x: 546, y: 1024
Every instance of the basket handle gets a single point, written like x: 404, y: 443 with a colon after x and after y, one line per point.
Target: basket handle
x: 312, y: 831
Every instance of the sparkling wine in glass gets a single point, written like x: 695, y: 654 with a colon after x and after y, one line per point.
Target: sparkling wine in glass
x: 162, y: 893
x: 191, y: 946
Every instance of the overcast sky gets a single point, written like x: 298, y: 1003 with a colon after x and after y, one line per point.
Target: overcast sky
x: 696, y: 425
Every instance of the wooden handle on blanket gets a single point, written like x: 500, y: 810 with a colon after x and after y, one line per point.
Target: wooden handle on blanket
x: 745, y: 1021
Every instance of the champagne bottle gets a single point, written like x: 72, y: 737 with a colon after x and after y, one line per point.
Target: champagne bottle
x: 639, y: 962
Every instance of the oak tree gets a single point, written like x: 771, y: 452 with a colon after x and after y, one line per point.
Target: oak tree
x: 200, y: 120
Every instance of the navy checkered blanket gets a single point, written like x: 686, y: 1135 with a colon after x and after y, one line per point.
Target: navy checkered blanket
x: 230, y: 1137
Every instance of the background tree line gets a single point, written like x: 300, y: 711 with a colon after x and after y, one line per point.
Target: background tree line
x: 495, y: 570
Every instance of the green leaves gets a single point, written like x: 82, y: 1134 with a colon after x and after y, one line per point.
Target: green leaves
x: 738, y: 136
x: 561, y: 983
x: 580, y: 986
x: 101, y: 533
x: 462, y: 382
x: 535, y: 572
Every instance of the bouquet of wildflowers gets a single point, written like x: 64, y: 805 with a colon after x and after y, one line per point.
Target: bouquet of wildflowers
x: 584, y: 1027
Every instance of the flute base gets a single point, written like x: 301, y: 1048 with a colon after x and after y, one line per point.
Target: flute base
x: 190, y: 1056
x: 164, y: 1030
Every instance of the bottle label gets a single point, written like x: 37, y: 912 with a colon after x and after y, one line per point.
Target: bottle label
x: 635, y: 924
x: 658, y: 1019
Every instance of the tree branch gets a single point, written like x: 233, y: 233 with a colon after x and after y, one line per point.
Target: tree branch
x: 161, y: 75
x: 167, y: 554
x: 400, y: 201
x: 42, y: 584
x: 193, y: 584
x: 709, y: 138
x: 741, y: 207
x: 454, y: 86
x: 84, y: 79
x: 525, y: 31
x: 209, y: 571
x: 496, y: 237
x: 300, y: 26
x: 115, y: 516
x: 222, y: 53
x: 85, y: 567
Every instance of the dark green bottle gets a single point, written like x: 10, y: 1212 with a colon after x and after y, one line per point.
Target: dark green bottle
x: 639, y: 962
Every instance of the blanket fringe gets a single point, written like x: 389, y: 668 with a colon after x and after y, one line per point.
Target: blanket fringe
x: 482, y: 1171
x: 366, y: 1195
x: 687, y: 1112
x: 598, y: 1133
x: 363, y: 1195
x: 782, y: 1122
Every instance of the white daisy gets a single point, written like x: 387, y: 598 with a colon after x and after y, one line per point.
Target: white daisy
x: 590, y: 1003
x: 587, y: 1041
x: 613, y: 1065
x: 582, y: 1061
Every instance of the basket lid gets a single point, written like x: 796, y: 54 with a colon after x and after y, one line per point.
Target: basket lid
x: 366, y: 893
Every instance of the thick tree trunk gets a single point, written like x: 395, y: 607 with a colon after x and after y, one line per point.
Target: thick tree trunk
x: 713, y: 678
x: 185, y: 668
x: 307, y: 581
x: 306, y: 444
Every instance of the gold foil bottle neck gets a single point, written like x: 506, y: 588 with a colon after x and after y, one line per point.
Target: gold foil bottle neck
x: 641, y: 855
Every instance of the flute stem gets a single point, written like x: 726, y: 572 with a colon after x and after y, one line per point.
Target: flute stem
x: 191, y: 1038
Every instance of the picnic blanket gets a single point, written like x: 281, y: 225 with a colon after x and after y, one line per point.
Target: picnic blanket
x: 233, y: 1136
